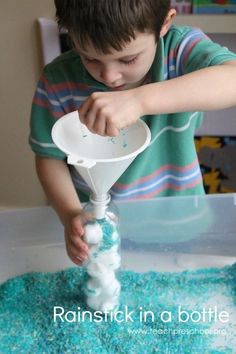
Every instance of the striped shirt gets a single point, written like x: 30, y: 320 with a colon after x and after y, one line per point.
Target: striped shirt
x: 169, y: 166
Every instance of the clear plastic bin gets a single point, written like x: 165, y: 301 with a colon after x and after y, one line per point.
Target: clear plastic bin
x: 162, y: 234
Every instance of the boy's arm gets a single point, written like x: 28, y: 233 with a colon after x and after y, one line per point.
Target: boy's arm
x: 58, y: 186
x: 210, y: 88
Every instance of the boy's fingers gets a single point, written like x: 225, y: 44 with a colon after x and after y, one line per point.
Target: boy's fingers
x: 111, y: 130
x: 94, y: 117
x: 85, y: 217
x: 84, y: 109
x: 76, y: 260
x: 79, y: 244
x: 90, y: 119
x: 76, y: 253
x: 100, y: 126
x: 77, y: 230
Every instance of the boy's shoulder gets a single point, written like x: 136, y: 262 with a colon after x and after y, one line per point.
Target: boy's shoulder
x: 183, y: 37
x: 64, y: 58
x: 180, y: 32
x: 68, y: 62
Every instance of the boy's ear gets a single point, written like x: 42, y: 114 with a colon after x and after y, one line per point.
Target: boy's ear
x: 168, y: 22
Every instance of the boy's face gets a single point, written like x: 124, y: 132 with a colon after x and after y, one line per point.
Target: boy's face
x: 121, y: 70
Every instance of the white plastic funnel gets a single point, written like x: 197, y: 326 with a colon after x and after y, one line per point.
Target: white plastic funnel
x: 99, y: 160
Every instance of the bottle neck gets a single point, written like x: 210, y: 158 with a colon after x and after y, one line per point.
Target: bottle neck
x: 100, y: 198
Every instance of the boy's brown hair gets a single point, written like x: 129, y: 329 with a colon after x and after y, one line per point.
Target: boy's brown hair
x: 110, y: 24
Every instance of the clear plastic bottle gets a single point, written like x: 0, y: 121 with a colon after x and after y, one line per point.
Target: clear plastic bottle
x: 102, y: 289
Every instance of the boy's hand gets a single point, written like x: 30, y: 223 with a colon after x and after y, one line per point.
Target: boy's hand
x: 76, y: 248
x: 104, y: 113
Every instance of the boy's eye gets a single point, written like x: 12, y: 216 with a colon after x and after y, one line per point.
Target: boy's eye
x: 129, y: 62
x: 126, y: 62
x: 91, y: 60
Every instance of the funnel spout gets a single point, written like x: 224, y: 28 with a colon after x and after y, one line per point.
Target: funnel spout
x: 100, y: 202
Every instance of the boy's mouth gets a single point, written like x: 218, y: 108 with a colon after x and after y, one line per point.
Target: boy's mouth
x: 118, y: 87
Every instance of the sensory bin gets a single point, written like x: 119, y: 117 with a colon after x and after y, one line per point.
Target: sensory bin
x: 178, y: 289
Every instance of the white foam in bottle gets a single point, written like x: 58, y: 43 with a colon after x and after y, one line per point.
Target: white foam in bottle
x: 103, y: 288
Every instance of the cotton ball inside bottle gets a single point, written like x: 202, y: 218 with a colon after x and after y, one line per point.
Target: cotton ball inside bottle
x: 112, y: 290
x: 94, y: 302
x: 110, y: 258
x: 97, y: 270
x: 93, y: 233
x: 92, y: 288
x: 115, y: 236
x: 110, y: 305
x: 106, y: 279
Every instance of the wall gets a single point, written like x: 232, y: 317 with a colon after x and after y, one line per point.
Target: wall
x: 20, y: 66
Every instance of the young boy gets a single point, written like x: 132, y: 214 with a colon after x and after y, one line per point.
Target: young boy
x: 128, y: 62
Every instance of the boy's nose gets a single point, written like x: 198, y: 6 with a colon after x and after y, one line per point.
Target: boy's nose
x: 110, y: 76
